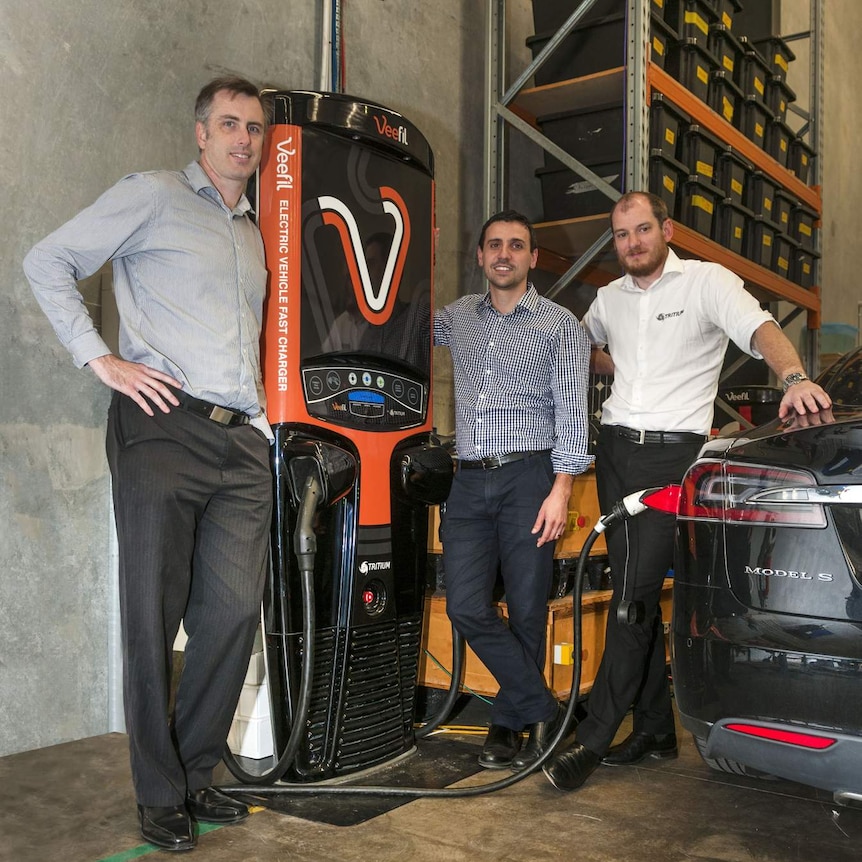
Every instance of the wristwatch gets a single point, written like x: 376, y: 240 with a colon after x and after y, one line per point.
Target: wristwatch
x: 792, y: 379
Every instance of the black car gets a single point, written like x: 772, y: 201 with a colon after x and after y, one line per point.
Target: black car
x: 767, y: 620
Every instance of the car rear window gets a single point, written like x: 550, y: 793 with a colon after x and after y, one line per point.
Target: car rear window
x: 844, y: 385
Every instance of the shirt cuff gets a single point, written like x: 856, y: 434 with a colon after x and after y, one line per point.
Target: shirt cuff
x: 87, y: 347
x: 571, y: 464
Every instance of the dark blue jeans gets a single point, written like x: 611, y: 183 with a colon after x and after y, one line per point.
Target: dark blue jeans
x: 487, y: 522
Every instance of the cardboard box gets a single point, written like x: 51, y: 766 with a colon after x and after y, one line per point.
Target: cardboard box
x: 436, y: 657
x: 583, y: 515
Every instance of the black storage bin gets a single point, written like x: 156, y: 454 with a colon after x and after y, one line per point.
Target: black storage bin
x: 760, y: 192
x: 752, y: 120
x: 666, y: 176
x: 803, y: 269
x: 552, y: 14
x: 778, y: 96
x: 730, y: 225
x: 695, y: 19
x: 782, y: 205
x: 662, y: 38
x: 565, y: 195
x: 777, y: 54
x: 698, y: 204
x: 667, y: 124
x: 725, y: 98
x: 759, y: 241
x: 725, y: 46
x: 801, y: 157
x: 802, y: 226
x: 691, y: 64
x: 778, y: 138
x: 752, y: 71
x: 591, y: 136
x: 782, y: 250
x: 726, y: 10
x: 592, y: 47
x: 700, y: 151
x: 731, y: 174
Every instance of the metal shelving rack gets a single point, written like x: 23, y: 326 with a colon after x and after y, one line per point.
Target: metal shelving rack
x: 573, y: 248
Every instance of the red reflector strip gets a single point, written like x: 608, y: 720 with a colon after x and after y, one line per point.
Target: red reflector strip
x: 804, y: 740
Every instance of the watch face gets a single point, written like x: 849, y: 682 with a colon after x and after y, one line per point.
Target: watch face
x: 796, y: 377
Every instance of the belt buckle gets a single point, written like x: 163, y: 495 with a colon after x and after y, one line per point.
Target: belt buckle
x: 221, y: 415
x: 492, y: 462
x: 641, y: 437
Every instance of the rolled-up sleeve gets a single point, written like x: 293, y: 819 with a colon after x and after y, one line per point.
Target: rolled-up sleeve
x: 569, y: 385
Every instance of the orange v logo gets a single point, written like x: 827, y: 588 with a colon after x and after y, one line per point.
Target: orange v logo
x: 374, y: 301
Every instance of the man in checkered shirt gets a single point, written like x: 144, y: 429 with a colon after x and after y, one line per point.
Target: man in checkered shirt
x: 521, y: 368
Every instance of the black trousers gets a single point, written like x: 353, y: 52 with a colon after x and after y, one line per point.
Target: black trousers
x: 193, y: 503
x: 633, y: 666
x: 486, y: 524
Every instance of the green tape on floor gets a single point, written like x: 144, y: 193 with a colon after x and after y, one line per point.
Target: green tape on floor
x: 146, y: 849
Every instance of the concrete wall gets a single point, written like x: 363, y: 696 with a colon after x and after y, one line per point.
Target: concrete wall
x: 92, y: 91
x: 842, y: 165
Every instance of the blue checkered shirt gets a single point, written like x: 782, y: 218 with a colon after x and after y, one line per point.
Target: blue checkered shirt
x: 520, y: 378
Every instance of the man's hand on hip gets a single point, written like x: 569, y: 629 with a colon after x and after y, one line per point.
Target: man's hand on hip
x: 139, y: 382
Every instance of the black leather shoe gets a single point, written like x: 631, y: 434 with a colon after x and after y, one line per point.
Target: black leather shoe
x: 569, y: 770
x: 167, y: 827
x: 212, y: 806
x: 501, y: 745
x: 638, y: 746
x: 541, y: 733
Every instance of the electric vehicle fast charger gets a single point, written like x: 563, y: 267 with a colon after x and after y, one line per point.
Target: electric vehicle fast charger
x: 313, y: 492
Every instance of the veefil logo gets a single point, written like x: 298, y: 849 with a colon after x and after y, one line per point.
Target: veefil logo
x: 375, y: 301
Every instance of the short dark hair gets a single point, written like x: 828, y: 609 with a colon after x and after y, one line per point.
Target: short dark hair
x: 657, y: 205
x: 510, y: 215
x: 228, y: 83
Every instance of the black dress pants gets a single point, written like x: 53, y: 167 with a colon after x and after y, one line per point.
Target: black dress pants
x: 193, y: 502
x: 640, y: 550
x: 486, y: 524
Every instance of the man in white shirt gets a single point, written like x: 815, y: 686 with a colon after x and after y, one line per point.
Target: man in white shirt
x: 666, y: 324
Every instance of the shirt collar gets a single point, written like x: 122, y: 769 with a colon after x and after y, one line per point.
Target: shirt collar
x: 200, y: 182
x: 672, y: 264
x: 528, y: 302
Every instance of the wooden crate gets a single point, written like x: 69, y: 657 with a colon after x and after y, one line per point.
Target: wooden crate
x: 437, y: 644
x: 583, y: 515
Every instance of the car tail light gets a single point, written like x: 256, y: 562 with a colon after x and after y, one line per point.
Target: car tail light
x: 792, y: 737
x: 730, y: 493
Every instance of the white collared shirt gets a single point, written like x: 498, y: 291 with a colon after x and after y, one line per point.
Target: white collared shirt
x: 668, y: 342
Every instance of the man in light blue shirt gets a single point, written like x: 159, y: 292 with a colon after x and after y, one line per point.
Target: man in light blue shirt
x: 187, y: 442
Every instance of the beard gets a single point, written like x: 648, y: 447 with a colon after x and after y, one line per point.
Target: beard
x: 647, y: 264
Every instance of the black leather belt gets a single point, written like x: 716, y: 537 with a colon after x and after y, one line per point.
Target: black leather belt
x: 222, y: 415
x: 641, y: 437
x: 492, y: 462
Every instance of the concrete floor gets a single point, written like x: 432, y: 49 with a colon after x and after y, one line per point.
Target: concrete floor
x: 74, y: 803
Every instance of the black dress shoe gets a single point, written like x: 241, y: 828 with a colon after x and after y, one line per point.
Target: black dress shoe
x: 569, y: 770
x: 638, y: 746
x: 212, y: 806
x: 541, y: 733
x: 167, y: 827
x: 501, y: 745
